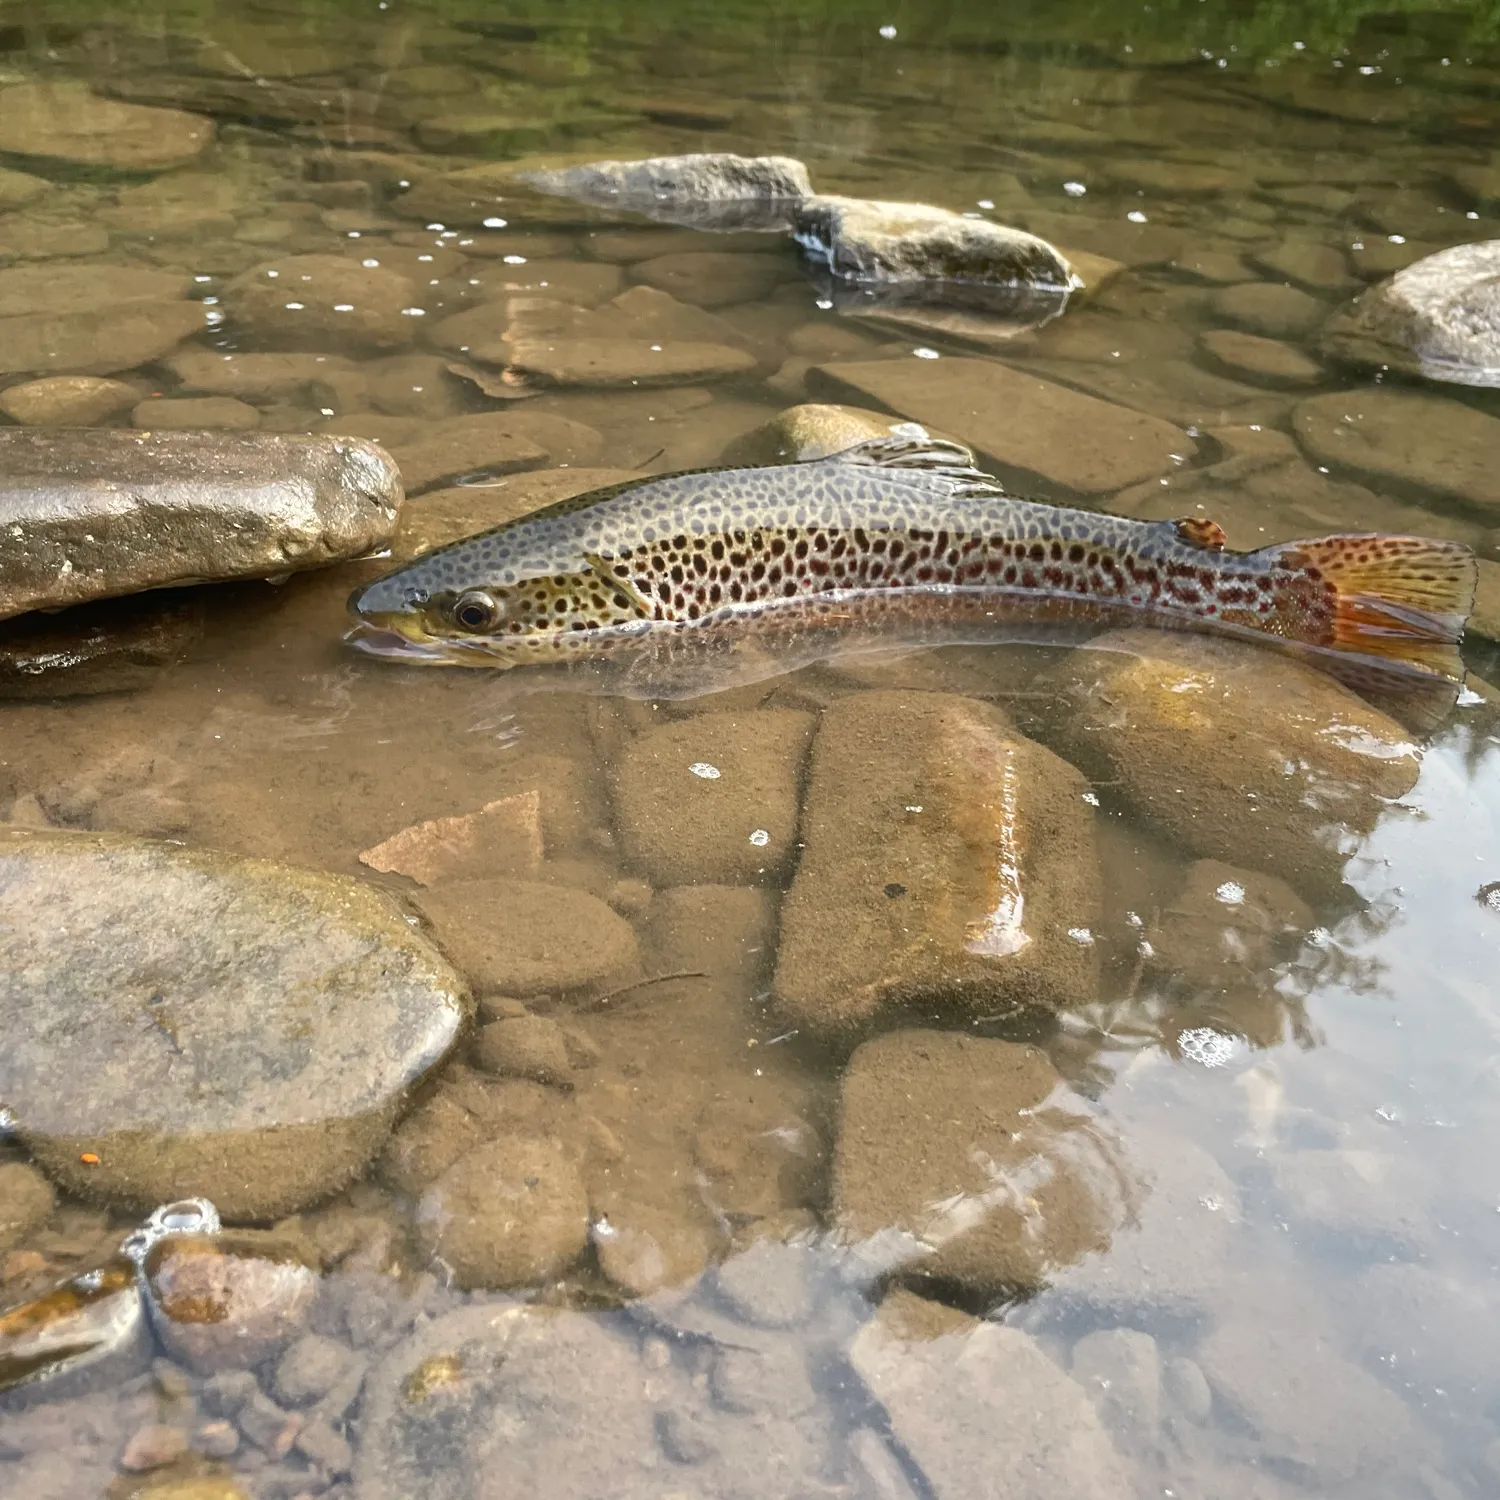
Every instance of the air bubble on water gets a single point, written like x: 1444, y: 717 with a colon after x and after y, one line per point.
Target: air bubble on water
x: 1231, y: 893
x: 1136, y: 216
x: 438, y: 227
x: 923, y: 352
x: 369, y: 262
x: 602, y: 1229
x: 1133, y: 919
x: 295, y: 306
x: 1396, y: 239
x: 656, y: 348
x: 1074, y: 189
x: 1081, y: 935
x: 914, y: 807
x: 1092, y: 798
x: 888, y: 32
x: 343, y: 307
x: 986, y: 203
x: 1388, y: 1114
x: 495, y: 223
x: 7, y: 1123
x: 760, y: 838
x: 1207, y: 1047
x: 704, y: 771
x: 413, y: 312
x: 824, y: 304
x: 513, y: 260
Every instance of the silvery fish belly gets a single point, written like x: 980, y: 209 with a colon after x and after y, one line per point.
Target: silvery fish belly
x: 896, y: 541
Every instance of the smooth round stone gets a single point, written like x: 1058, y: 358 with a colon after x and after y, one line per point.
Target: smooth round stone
x: 87, y: 1334
x: 195, y: 413
x: 67, y: 401
x: 228, y: 1301
x: 508, y: 1213
x: 204, y: 1024
x: 1264, y: 361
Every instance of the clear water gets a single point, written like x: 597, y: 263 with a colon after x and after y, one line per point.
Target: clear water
x: 1347, y: 1322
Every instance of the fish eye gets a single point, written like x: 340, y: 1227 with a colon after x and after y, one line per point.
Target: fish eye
x: 476, y: 610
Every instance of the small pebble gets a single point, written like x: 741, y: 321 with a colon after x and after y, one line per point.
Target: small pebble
x: 153, y: 1447
x: 216, y: 1439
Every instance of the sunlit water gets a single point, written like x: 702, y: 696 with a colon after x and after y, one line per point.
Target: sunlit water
x: 1346, y: 1086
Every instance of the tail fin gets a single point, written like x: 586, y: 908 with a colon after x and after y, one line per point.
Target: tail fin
x: 1402, y: 600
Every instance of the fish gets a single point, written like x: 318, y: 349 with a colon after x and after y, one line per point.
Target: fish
x: 898, y: 540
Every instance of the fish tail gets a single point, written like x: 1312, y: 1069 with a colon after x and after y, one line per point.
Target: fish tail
x: 1402, y: 600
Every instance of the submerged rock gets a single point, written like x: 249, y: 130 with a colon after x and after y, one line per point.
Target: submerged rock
x: 309, y: 300
x: 707, y: 191
x: 96, y: 342
x: 1031, y: 427
x: 949, y: 867
x: 961, y: 1158
x: 85, y: 1335
x: 1236, y: 753
x: 910, y: 244
x: 185, y: 1021
x: 1438, y: 318
x: 229, y: 1301
x: 713, y: 798
x: 981, y: 1409
x: 67, y: 401
x: 89, y: 514
x: 26, y: 1203
x: 63, y: 122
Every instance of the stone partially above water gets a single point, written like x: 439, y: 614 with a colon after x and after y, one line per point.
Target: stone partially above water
x: 705, y: 191
x: 1439, y: 318
x: 949, y: 866
x: 90, y: 514
x: 1234, y: 752
x: 51, y: 123
x: 861, y: 240
x: 963, y: 1161
x: 198, y: 1023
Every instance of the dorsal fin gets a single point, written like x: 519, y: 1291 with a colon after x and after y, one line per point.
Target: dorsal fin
x: 910, y: 447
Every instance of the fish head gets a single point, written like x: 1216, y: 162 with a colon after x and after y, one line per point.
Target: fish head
x: 473, y: 604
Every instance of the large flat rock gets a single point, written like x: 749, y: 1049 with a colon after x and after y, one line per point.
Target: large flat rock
x: 99, y: 341
x: 1033, y: 427
x: 205, y: 1024
x: 66, y: 123
x: 91, y: 513
x: 1408, y: 440
x: 948, y: 867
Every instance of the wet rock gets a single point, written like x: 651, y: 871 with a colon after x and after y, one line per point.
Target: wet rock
x: 1262, y: 361
x: 772, y: 1380
x: 311, y: 1367
x: 1120, y: 1368
x: 966, y: 1156
x: 154, y: 1447
x: 1314, y: 267
x: 712, y: 278
x: 428, y: 1142
x: 770, y: 1285
x: 1212, y: 267
x: 949, y: 867
x: 911, y: 243
x: 1485, y: 619
x: 502, y: 837
x: 1270, y: 310
x: 1438, y: 318
x: 307, y: 998
x: 1401, y: 438
x: 308, y: 301
x: 610, y: 362
x: 312, y: 379
x: 951, y: 1402
x: 555, y: 1401
x: 18, y: 188
x: 330, y: 1451
x: 1226, y: 923
x: 521, y: 937
x: 229, y: 1301
x: 1180, y: 727
x: 713, y: 798
x: 96, y: 342
x: 1305, y: 1403
x: 26, y: 1203
x: 525, y: 1047
x: 67, y: 401
x: 810, y: 431
x: 1028, y: 426
x: 180, y: 203
x: 486, y: 445
x: 723, y: 931
x: 51, y: 123
x: 708, y: 191
x: 1185, y: 1386
x: 415, y: 385
x: 197, y: 506
x: 195, y: 414
x: 87, y: 1334
x: 1168, y: 1261
x: 265, y: 1424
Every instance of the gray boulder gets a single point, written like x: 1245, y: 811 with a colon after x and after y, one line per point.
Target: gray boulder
x: 716, y: 190
x: 87, y: 514
x: 1439, y: 318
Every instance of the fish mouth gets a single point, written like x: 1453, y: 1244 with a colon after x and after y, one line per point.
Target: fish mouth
x: 391, y: 642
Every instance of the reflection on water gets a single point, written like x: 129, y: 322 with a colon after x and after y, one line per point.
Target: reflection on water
x: 923, y: 1073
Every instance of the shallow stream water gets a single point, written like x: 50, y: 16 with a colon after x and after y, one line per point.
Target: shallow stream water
x: 1247, y: 1247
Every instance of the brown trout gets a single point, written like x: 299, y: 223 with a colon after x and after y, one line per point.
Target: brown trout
x: 895, y: 541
